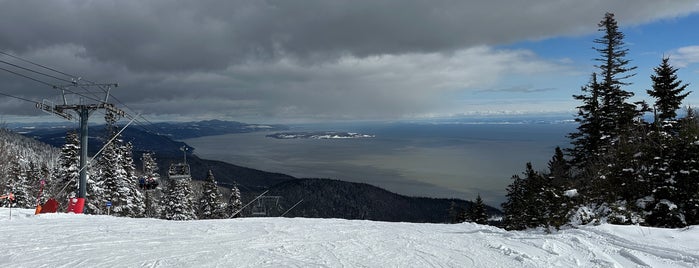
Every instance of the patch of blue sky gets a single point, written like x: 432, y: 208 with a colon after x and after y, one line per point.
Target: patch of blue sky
x: 647, y: 44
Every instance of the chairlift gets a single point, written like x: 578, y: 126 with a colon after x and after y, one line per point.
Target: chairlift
x: 259, y: 209
x: 148, y: 183
x: 179, y: 171
x: 265, y: 206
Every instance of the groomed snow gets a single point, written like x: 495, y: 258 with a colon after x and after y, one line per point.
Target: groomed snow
x: 68, y: 240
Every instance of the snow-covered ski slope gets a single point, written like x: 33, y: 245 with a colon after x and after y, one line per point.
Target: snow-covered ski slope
x: 67, y: 240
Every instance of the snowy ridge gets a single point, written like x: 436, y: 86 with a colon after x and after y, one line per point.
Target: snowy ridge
x: 67, y: 240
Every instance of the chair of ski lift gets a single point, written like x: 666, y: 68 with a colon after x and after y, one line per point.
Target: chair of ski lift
x: 148, y: 183
x: 259, y: 209
x: 179, y: 171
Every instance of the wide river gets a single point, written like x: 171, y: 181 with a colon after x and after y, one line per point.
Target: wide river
x: 417, y: 159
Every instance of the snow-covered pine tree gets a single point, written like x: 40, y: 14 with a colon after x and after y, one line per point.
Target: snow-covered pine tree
x: 37, y: 172
x: 210, y: 205
x: 17, y: 155
x: 688, y: 167
x: 664, y: 201
x: 18, y: 185
x: 235, y: 202
x: 177, y: 203
x: 129, y: 200
x: 95, y: 193
x: 150, y: 171
x: 108, y: 177
x: 606, y: 153
x: 109, y: 171
x: 150, y: 166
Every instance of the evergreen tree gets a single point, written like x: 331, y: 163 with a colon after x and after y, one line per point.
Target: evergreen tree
x: 559, y: 169
x: 607, y: 149
x: 535, y: 187
x: 667, y: 152
x: 210, y: 206
x: 668, y: 91
x: 150, y: 167
x: 95, y: 194
x: 558, y: 182
x: 478, y: 213
x: 686, y: 167
x: 151, y: 177
x: 235, y: 203
x: 111, y: 173
x: 688, y: 177
x: 514, y: 208
x: 587, y: 141
x: 103, y: 183
x: 127, y: 200
x: 616, y: 113
x: 177, y: 203
x: 18, y: 186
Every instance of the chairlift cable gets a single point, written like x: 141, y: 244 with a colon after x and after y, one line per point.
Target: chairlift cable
x: 37, y: 64
x: 292, y: 207
x: 19, y: 98
x: 36, y: 72
x: 241, y: 209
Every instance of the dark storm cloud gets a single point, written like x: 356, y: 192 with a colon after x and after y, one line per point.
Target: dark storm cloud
x: 298, y: 59
x: 187, y: 35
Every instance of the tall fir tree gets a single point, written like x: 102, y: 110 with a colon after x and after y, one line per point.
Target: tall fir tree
x: 127, y: 200
x: 69, y: 170
x: 617, y: 113
x: 235, y: 203
x: 606, y: 147
x: 210, y: 205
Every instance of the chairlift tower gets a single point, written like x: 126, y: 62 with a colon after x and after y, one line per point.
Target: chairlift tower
x: 83, y: 111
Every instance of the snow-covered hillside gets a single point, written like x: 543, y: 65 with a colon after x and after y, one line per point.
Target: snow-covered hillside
x: 67, y: 240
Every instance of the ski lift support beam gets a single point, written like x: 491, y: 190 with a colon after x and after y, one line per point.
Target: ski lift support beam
x: 83, y: 111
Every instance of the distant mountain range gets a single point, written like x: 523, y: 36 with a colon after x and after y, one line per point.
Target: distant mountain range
x: 323, y: 198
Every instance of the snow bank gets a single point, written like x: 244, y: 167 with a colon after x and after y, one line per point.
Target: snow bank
x: 67, y: 240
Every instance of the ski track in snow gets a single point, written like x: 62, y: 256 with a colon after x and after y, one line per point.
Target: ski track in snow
x: 67, y: 240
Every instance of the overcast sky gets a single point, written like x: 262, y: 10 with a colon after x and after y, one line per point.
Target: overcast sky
x: 315, y: 60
